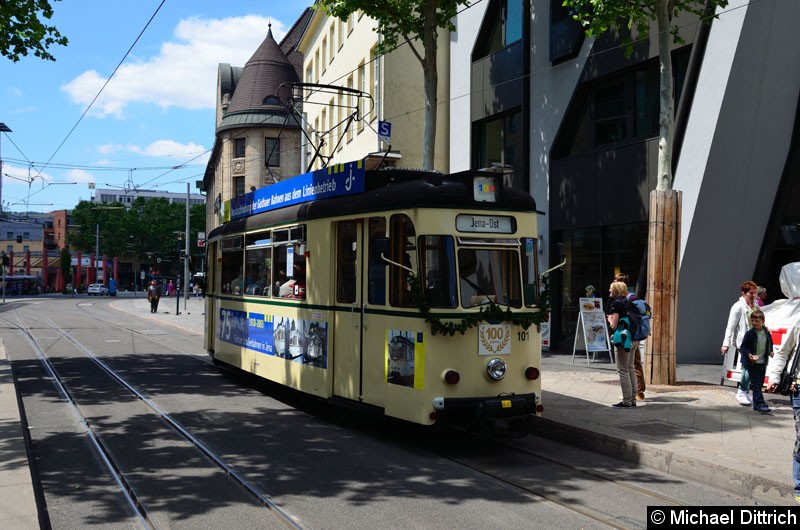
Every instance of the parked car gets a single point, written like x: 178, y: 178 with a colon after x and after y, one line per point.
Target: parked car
x: 97, y: 288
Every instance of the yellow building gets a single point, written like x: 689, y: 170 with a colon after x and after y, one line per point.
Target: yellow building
x: 343, y: 53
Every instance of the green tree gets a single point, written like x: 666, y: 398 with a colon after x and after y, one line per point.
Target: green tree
x: 152, y: 228
x: 415, y: 22
x: 597, y: 17
x: 24, y: 31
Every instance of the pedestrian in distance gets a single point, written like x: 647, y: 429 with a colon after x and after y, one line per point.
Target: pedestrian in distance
x: 621, y: 342
x: 738, y: 324
x: 756, y: 347
x: 153, y: 296
x: 638, y: 368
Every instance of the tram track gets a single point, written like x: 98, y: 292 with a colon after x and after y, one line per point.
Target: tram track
x: 594, y: 514
x: 525, y: 470
x: 106, y: 454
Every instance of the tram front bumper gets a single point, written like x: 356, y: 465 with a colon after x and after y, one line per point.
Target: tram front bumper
x: 507, y: 415
x: 486, y: 407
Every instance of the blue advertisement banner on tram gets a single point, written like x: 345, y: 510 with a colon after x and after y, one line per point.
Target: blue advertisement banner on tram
x: 293, y: 339
x: 333, y: 181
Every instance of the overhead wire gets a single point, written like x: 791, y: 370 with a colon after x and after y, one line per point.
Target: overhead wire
x: 170, y: 169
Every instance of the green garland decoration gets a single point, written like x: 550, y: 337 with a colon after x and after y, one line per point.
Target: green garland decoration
x: 491, y: 313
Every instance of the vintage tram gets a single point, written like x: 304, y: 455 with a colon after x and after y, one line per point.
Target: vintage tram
x: 406, y: 290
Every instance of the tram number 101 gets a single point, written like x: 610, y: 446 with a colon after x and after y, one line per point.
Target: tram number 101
x: 523, y: 335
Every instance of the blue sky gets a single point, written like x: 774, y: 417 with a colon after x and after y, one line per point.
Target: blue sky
x: 157, y: 112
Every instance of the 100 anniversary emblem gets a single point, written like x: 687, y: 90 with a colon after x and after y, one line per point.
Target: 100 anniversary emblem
x: 494, y: 339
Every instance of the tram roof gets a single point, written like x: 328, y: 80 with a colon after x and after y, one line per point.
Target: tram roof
x: 393, y: 189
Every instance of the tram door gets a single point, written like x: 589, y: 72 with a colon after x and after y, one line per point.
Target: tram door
x: 348, y: 315
x: 210, y: 299
x: 360, y: 283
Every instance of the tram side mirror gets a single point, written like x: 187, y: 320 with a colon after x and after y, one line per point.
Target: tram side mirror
x: 380, y: 247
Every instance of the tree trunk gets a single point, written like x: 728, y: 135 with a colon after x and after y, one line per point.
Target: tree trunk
x: 662, y: 285
x: 666, y: 117
x: 431, y: 83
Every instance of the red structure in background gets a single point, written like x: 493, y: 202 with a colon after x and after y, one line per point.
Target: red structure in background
x: 77, y: 281
x: 45, y: 269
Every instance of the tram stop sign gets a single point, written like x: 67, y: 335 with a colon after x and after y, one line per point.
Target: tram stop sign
x: 385, y: 131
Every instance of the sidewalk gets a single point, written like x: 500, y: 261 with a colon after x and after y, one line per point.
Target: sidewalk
x: 17, y: 501
x: 695, y: 429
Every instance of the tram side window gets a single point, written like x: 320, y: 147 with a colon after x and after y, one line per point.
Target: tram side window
x: 376, y: 290
x: 258, y: 256
x: 489, y: 275
x: 403, y: 250
x: 530, y: 272
x: 437, y: 267
x: 346, y: 262
x: 289, y: 272
x: 232, y: 265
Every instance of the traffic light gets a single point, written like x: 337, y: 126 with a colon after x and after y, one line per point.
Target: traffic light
x: 19, y: 239
x: 182, y: 253
x: 6, y: 262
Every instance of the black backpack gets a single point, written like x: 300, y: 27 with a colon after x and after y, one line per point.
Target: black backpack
x: 635, y: 319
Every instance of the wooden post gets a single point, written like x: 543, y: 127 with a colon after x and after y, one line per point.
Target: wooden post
x: 662, y: 285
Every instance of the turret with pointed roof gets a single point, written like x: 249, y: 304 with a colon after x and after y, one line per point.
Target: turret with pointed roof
x: 251, y: 120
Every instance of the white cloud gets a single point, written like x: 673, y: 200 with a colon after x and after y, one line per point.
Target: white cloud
x: 184, y: 73
x: 157, y: 149
x: 80, y: 175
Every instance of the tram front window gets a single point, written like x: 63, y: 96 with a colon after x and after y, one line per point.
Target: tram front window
x: 489, y: 275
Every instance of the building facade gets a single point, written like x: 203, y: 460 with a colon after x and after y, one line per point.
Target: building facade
x: 126, y: 197
x: 389, y: 88
x: 577, y: 122
x: 256, y: 142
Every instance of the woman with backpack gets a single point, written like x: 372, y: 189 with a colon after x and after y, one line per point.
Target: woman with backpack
x: 641, y: 386
x: 621, y: 342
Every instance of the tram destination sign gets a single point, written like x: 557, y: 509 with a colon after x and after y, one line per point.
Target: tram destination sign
x: 333, y: 181
x: 496, y: 224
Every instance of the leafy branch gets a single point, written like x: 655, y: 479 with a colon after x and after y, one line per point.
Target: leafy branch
x: 491, y: 313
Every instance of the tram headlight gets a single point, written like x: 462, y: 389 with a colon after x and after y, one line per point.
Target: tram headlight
x: 496, y: 369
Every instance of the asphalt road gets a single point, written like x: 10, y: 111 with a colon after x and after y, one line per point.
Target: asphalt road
x: 324, y: 467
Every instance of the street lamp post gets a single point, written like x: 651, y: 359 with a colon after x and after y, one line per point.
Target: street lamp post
x: 5, y: 129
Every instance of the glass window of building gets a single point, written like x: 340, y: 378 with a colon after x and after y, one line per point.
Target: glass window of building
x: 500, y: 146
x: 238, y: 186
x: 272, y: 148
x: 238, y: 147
x: 502, y: 27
